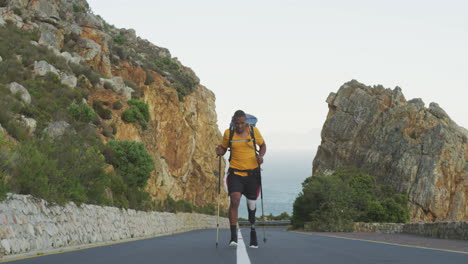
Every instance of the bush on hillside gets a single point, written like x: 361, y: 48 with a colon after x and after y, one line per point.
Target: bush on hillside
x: 69, y: 168
x: 184, y: 83
x: 117, y: 105
x: 119, y: 39
x: 138, y: 112
x: 5, y: 148
x: 132, y: 160
x: 104, y: 113
x: 133, y: 166
x: 81, y: 69
x: 78, y: 8
x: 82, y: 112
x: 335, y: 202
x: 17, y: 48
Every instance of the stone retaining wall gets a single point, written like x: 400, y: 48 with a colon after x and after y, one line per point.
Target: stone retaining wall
x: 447, y: 230
x: 388, y: 228
x: 28, y: 224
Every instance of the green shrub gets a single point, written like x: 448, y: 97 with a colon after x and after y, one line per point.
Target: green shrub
x: 209, y: 209
x: 5, y: 148
x: 104, y: 113
x: 80, y: 69
x: 132, y: 161
x: 16, y: 130
x: 107, y: 130
x: 282, y: 216
x: 81, y: 112
x: 114, y: 129
x: 78, y: 8
x: 13, y: 71
x: 133, y: 166
x: 3, y: 186
x: 18, y: 42
x: 149, y: 79
x: 376, y: 211
x: 32, y: 171
x: 17, y: 11
x: 183, y: 206
x: 170, y: 205
x: 183, y: 82
x: 109, y: 86
x: 69, y: 168
x: 138, y: 91
x: 45, y: 107
x: 52, y: 77
x: 119, y: 39
x: 117, y: 105
x: 335, y: 202
x: 93, y: 77
x: 121, y: 52
x: 138, y: 112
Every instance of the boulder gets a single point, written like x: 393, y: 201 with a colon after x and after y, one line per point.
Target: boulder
x: 45, y: 11
x: 130, y: 34
x: 68, y: 57
x: 18, y: 88
x: 73, y: 29
x: 418, y: 102
x: 90, y: 49
x: 6, y: 246
x: 57, y: 129
x: 90, y: 20
x: 69, y: 80
x: 50, y: 36
x: 419, y: 151
x: 13, y: 18
x: 18, y: 4
x: 118, y: 85
x: 41, y: 68
x: 29, y: 123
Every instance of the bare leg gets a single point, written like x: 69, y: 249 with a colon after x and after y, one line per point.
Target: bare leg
x: 234, y: 207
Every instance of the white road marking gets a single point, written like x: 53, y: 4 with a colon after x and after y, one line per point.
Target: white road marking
x: 242, y: 256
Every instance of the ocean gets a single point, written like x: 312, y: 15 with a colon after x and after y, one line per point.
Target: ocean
x: 282, y: 177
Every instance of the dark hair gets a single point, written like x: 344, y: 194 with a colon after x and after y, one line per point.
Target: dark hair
x: 238, y: 113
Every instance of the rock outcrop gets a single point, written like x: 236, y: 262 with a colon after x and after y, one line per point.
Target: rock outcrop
x: 181, y: 134
x: 419, y: 151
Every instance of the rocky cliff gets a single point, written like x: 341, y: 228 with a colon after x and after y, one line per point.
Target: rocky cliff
x: 419, y: 151
x: 182, y: 129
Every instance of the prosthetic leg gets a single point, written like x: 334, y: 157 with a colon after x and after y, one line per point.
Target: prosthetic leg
x: 251, y: 208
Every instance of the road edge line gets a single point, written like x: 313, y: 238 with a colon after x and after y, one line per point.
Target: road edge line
x: 382, y: 242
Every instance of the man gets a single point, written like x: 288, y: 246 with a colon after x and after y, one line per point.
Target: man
x: 244, y: 171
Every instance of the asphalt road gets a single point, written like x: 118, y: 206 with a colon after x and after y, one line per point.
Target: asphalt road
x: 281, y: 247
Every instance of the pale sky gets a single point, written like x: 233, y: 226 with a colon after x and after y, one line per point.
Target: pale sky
x: 279, y: 60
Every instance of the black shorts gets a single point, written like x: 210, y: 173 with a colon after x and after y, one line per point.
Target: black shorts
x: 249, y: 185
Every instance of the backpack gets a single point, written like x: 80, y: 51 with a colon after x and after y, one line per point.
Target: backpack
x: 251, y: 121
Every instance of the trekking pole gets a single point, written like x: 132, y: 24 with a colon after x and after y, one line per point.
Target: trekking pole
x: 219, y: 193
x: 261, y: 198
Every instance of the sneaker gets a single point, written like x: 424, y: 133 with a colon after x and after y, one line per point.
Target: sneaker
x: 233, y: 242
x: 253, y: 239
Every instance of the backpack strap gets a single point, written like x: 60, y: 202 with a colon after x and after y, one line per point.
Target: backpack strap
x: 252, y: 135
x: 231, y: 135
